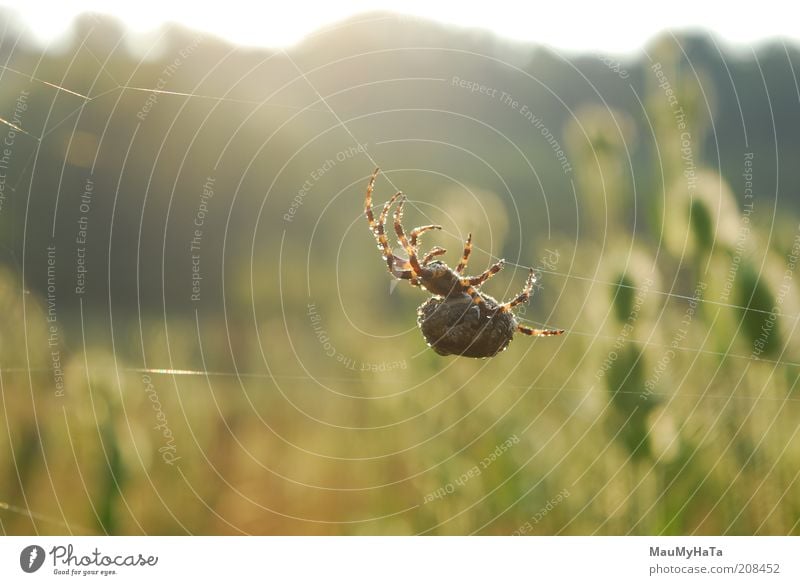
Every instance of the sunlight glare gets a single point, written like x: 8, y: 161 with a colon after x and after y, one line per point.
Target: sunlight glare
x: 619, y: 26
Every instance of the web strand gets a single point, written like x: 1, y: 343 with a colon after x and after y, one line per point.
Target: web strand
x: 44, y: 518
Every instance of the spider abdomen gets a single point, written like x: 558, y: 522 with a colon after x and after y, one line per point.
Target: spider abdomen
x: 459, y: 326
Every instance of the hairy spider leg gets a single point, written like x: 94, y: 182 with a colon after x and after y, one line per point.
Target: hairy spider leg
x: 523, y: 296
x: 486, y: 275
x: 377, y: 228
x: 368, y: 201
x: 539, y: 332
x: 435, y: 251
x: 401, y: 236
x: 418, y: 231
x: 465, y: 256
x: 397, y: 266
x: 401, y: 268
x: 473, y: 292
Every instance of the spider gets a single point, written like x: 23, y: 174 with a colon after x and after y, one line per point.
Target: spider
x: 458, y: 319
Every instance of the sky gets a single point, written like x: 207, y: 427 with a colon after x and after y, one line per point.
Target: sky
x: 616, y: 27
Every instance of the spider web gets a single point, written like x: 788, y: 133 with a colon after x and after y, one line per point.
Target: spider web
x: 86, y: 101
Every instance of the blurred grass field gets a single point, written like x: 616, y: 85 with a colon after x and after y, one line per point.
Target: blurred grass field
x: 299, y: 397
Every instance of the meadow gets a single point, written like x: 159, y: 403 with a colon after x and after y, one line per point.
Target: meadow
x: 199, y: 336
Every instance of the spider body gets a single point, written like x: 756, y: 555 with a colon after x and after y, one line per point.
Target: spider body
x: 458, y: 326
x: 458, y: 319
x: 439, y: 279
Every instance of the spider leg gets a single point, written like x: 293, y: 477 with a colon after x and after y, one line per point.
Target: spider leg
x: 386, y: 207
x: 368, y: 201
x: 436, y: 251
x: 465, y: 256
x: 473, y: 292
x: 487, y: 274
x: 402, y: 268
x: 377, y: 228
x: 539, y: 332
x: 418, y: 231
x: 523, y: 296
x: 401, y: 235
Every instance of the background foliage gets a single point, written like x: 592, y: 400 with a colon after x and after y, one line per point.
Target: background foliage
x: 298, y: 394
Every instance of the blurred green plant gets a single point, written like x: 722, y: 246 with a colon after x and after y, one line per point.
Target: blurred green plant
x: 279, y: 432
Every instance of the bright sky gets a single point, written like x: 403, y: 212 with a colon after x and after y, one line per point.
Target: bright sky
x: 613, y: 26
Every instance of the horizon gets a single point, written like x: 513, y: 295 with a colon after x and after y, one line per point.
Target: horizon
x: 148, y: 21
